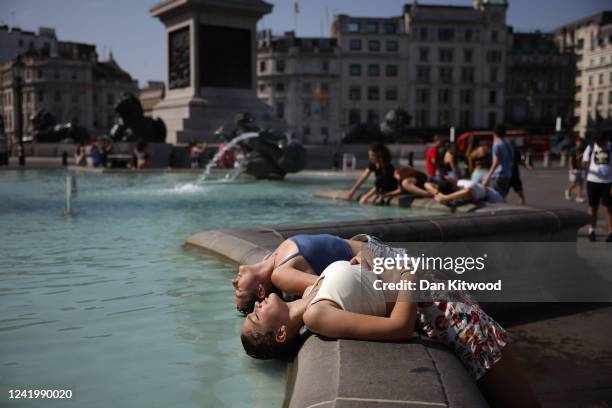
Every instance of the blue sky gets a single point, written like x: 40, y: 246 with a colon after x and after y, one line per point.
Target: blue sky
x: 137, y: 40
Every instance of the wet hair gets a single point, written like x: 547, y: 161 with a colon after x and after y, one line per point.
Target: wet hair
x: 500, y: 130
x: 265, y: 346
x: 382, y: 153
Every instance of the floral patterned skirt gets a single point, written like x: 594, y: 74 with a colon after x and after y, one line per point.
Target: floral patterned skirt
x: 473, y: 335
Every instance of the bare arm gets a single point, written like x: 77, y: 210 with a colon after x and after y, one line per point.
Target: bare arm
x: 491, y: 170
x: 364, y: 176
x: 291, y: 280
x: 325, y: 319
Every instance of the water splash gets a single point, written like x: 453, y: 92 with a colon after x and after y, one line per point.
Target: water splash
x: 214, y: 162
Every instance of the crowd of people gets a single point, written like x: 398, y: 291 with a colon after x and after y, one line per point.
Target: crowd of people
x: 100, y: 153
x: 490, y: 171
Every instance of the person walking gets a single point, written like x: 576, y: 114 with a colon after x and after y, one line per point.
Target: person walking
x: 576, y: 172
x: 599, y: 179
x: 500, y: 172
x: 515, y: 182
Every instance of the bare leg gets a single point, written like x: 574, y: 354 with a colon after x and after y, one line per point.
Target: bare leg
x: 410, y: 186
x: 504, y: 385
x: 367, y: 196
x: 579, y: 188
x: 464, y: 194
x: 608, y: 214
x: 431, y: 188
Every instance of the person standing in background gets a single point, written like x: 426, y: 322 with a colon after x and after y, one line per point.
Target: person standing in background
x: 431, y: 157
x: 576, y: 172
x: 500, y: 172
x: 599, y: 180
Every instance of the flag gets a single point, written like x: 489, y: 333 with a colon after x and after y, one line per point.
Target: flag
x: 296, y: 7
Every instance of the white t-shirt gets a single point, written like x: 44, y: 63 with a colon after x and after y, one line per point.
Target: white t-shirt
x: 600, y: 163
x: 480, y: 192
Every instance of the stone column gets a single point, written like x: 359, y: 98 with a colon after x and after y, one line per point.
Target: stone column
x: 211, y: 77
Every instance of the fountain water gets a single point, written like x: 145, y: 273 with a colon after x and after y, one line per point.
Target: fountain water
x: 215, y: 160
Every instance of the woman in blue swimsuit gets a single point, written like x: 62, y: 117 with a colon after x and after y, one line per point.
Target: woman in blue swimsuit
x: 291, y: 268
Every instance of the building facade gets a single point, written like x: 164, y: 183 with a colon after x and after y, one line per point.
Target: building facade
x: 539, y: 82
x: 15, y: 41
x: 445, y: 65
x: 590, y: 39
x: 299, y: 79
x: 72, y: 85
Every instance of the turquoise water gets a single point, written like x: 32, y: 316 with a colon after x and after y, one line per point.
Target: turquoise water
x: 109, y: 303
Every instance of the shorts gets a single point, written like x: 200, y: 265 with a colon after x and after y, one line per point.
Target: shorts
x: 599, y: 192
x: 515, y: 182
x: 501, y: 185
x: 576, y: 176
x: 479, y: 174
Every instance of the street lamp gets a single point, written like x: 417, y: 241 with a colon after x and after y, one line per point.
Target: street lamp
x: 18, y: 67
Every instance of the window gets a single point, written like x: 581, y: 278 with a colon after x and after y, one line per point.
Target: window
x: 325, y: 87
x: 445, y: 55
x: 423, y: 74
x: 590, y: 80
x: 307, y: 108
x: 74, y: 75
x: 423, y: 34
x: 600, y: 79
x: 610, y: 97
x: 75, y: 98
x: 422, y: 95
x: 423, y: 54
x: 467, y: 55
x: 446, y: 34
x: 465, y: 96
x: 325, y: 133
x: 580, y: 44
x: 280, y: 87
x: 56, y: 74
x: 390, y: 28
x: 446, y: 74
x: 373, y: 93
x: 371, y: 28
x: 492, y: 119
x: 373, y: 70
x: 599, y: 98
x: 492, y: 97
x: 262, y: 88
x: 355, y: 93
x: 58, y: 96
x: 374, y: 45
x: 421, y: 119
x: 40, y: 73
x: 494, y: 57
x: 355, y: 69
x: 20, y: 43
x: 41, y: 96
x: 391, y: 93
x: 262, y: 66
x: 280, y: 110
x: 391, y: 70
x: 110, y: 99
x: 373, y: 117
x: 444, y: 96
x: 306, y: 131
x: 467, y: 74
x: 494, y: 74
x: 354, y: 116
x: 494, y: 36
x: 355, y: 45
x: 444, y: 118
x: 280, y: 66
x: 325, y: 66
x: 307, y: 87
x: 353, y: 28
x: 590, y: 100
x: 392, y: 45
x: 465, y: 119
x: 467, y: 35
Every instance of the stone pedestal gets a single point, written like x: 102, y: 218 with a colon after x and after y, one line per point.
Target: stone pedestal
x: 211, y: 71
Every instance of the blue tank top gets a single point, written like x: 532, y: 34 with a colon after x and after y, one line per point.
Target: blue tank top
x: 320, y: 250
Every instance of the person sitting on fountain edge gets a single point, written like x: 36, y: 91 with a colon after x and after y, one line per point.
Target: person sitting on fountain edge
x: 379, y: 158
x: 291, y: 268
